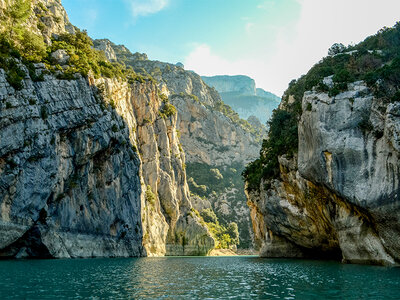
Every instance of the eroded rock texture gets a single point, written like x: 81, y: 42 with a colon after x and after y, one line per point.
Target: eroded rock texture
x: 340, y: 197
x: 79, y: 178
x: 90, y: 167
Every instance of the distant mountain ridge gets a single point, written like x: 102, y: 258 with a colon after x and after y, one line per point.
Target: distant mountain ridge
x: 241, y: 94
x: 238, y: 83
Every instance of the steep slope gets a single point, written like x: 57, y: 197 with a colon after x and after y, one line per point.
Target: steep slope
x: 213, y: 137
x: 90, y: 165
x: 327, y: 182
x: 241, y: 94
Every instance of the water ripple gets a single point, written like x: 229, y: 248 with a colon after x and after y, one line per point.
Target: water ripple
x: 195, y: 278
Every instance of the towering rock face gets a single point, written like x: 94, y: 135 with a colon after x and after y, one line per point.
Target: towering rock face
x: 207, y: 135
x: 91, y: 167
x: 81, y: 181
x: 67, y: 186
x: 359, y: 163
x: 340, y: 197
x: 241, y: 94
x: 212, y: 136
x: 337, y: 196
x: 169, y: 225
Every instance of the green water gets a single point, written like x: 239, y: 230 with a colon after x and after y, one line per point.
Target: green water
x: 195, y: 278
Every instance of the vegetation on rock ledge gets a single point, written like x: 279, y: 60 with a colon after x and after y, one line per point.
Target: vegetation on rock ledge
x: 376, y: 61
x: 20, y: 45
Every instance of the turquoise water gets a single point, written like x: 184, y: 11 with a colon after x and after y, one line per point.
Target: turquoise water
x: 195, y: 278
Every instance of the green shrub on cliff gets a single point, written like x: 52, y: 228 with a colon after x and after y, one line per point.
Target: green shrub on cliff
x: 150, y: 196
x: 29, y: 45
x: 168, y: 110
x: 209, y: 179
x: 223, y: 235
x: 376, y: 60
x: 282, y: 139
x: 209, y: 216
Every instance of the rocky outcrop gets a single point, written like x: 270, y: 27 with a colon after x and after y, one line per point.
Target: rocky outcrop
x: 210, y: 139
x: 90, y: 167
x: 340, y: 198
x: 79, y: 179
x: 207, y: 135
x: 49, y: 18
x: 67, y: 188
x: 106, y: 46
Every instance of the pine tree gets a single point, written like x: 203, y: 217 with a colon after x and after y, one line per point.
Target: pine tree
x: 14, y: 16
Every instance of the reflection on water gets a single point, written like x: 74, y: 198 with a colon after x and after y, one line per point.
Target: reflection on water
x: 195, y: 278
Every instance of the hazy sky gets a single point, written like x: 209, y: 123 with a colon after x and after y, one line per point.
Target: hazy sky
x: 272, y: 41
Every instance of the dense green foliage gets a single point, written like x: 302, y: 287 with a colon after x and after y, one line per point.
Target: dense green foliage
x: 209, y: 215
x: 282, y: 139
x: 225, y: 236
x: 18, y: 42
x: 376, y: 60
x: 167, y: 110
x: 210, y: 179
x: 84, y: 58
x: 377, y: 57
x: 212, y: 183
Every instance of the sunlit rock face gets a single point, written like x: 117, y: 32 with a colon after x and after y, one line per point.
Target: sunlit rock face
x: 207, y: 135
x: 90, y: 167
x: 82, y: 179
x: 209, y: 138
x: 50, y: 14
x: 340, y: 197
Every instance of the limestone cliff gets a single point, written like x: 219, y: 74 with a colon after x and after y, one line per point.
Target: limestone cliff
x: 49, y: 18
x: 90, y: 166
x: 79, y: 180
x: 335, y: 193
x: 339, y: 198
x: 212, y: 136
x: 210, y: 133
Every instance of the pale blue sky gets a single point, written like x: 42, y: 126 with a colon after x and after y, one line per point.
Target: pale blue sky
x: 272, y: 41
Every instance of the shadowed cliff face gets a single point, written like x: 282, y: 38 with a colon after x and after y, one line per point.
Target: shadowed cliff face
x: 211, y: 135
x: 90, y: 167
x: 170, y: 227
x: 66, y: 174
x: 339, y: 197
x: 81, y: 179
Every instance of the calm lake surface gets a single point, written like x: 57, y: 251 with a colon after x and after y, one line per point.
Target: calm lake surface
x: 195, y: 278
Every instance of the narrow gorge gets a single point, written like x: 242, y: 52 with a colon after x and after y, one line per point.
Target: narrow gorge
x: 106, y: 153
x: 95, y: 145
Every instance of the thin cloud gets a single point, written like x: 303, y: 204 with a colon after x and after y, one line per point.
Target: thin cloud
x: 249, y: 26
x: 146, y: 7
x: 300, y: 43
x: 266, y: 5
